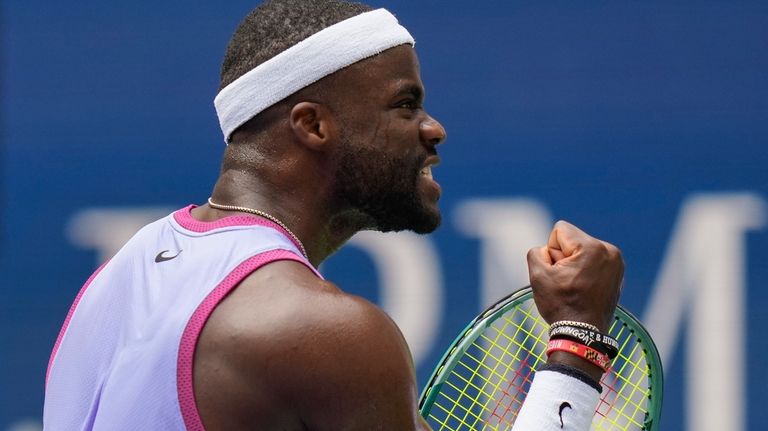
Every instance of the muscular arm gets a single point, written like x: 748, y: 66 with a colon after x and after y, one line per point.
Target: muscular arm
x: 290, y: 352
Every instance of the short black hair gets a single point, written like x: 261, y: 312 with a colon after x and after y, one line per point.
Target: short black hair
x: 275, y: 26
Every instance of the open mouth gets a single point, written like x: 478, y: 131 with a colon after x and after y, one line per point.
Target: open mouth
x: 426, y: 174
x: 431, y: 161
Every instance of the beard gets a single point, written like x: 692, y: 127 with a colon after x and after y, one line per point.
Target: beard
x: 382, y: 190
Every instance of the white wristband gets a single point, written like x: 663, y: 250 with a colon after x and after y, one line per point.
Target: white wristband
x: 557, y: 402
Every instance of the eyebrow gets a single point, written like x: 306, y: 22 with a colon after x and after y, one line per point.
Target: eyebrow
x: 415, y: 90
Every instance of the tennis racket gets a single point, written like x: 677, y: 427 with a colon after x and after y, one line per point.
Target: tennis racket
x: 483, y: 378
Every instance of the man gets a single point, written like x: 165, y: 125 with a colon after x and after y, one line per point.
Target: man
x: 215, y: 317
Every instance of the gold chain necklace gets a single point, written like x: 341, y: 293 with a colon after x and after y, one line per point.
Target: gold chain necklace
x: 262, y: 214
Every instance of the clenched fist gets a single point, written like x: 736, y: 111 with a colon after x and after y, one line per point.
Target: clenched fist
x: 576, y: 277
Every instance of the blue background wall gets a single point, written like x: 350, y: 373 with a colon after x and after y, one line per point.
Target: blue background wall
x: 610, y: 114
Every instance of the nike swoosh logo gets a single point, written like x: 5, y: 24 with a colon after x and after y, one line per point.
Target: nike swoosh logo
x: 563, y: 406
x: 162, y: 258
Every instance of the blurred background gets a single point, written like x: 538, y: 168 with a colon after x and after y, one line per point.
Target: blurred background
x: 645, y: 123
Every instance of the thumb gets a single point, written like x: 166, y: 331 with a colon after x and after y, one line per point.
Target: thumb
x: 566, y: 239
x: 555, y: 254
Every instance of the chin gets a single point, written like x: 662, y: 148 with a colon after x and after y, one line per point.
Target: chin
x: 425, y: 229
x: 423, y: 222
x: 428, y: 223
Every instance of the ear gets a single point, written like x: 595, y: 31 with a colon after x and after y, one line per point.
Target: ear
x: 313, y: 124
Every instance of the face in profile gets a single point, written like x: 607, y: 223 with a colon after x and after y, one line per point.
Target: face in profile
x: 388, y: 145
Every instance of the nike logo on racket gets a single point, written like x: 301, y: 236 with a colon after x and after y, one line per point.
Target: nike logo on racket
x: 162, y: 258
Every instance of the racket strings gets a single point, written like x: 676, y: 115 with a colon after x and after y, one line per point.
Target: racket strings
x: 488, y: 383
x: 626, y: 389
x: 524, y: 368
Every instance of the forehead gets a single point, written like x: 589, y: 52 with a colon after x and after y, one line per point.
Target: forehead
x: 398, y: 60
x: 393, y: 68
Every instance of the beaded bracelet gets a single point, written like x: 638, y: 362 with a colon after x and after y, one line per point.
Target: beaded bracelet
x: 574, y: 323
x: 600, y: 359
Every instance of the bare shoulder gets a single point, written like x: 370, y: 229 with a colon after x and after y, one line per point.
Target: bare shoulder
x: 285, y: 300
x: 287, y: 350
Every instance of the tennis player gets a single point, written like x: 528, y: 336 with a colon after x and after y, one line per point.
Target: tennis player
x: 215, y: 316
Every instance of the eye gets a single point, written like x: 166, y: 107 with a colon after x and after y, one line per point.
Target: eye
x: 409, y: 104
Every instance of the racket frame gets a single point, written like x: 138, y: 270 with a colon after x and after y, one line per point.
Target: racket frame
x: 472, y: 331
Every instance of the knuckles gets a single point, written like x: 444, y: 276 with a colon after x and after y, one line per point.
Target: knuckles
x: 534, y: 266
x: 531, y: 255
x: 603, y: 251
x: 612, y: 255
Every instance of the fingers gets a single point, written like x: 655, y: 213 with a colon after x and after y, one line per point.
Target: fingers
x: 539, y: 258
x: 565, y: 238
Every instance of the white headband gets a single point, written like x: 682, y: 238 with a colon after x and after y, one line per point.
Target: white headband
x: 315, y: 57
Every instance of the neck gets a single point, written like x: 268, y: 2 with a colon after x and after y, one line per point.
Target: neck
x: 260, y: 213
x: 304, y: 210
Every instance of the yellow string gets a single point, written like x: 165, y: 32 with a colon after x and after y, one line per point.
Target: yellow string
x: 493, y: 359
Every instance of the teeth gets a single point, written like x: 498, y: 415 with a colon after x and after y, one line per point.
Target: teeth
x: 427, y: 172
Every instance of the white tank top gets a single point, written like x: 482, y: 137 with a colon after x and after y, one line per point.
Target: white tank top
x: 123, y: 359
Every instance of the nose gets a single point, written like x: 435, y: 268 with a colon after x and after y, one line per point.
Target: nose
x: 432, y: 131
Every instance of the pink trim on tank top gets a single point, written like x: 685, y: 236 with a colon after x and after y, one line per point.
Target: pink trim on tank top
x: 70, y: 313
x: 187, y: 221
x: 184, y: 369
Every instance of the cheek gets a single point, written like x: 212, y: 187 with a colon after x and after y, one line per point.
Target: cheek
x: 402, y: 134
x: 379, y: 129
x: 385, y: 131
x: 365, y: 131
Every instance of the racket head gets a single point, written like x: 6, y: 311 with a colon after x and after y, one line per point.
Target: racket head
x: 483, y: 377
